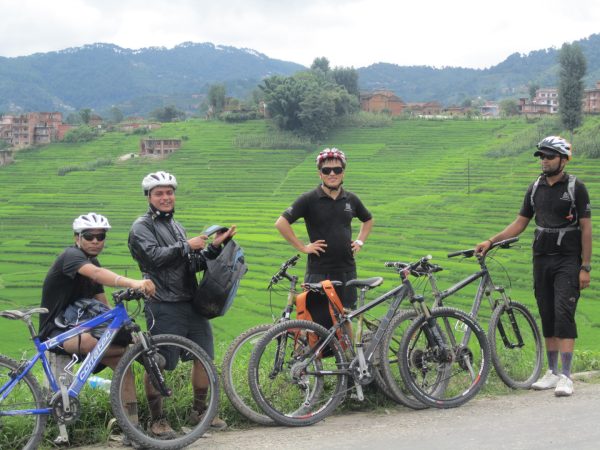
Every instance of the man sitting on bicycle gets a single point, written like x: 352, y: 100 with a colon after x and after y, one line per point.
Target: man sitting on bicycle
x: 77, y: 274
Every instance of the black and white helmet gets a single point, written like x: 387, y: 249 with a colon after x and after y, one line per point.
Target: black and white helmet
x: 90, y: 221
x: 159, y: 178
x: 555, y: 144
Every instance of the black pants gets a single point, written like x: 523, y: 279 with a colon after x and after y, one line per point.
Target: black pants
x: 346, y: 294
x: 556, y: 285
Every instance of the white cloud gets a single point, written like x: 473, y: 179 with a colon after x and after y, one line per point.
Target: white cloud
x: 468, y: 33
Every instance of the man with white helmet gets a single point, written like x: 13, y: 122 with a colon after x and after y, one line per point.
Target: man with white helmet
x: 77, y: 274
x: 166, y: 256
x: 562, y: 252
x: 328, y: 211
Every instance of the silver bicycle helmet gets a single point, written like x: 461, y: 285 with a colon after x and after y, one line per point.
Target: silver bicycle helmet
x: 90, y: 221
x: 555, y: 144
x: 159, y: 178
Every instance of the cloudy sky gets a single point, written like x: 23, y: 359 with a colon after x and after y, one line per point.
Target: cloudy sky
x: 466, y: 33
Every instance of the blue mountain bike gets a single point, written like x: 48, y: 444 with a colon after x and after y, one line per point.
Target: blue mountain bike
x: 25, y: 406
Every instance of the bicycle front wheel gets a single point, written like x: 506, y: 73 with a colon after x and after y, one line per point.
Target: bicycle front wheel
x: 293, y: 379
x: 234, y: 373
x: 20, y: 431
x: 180, y: 415
x: 516, y: 345
x: 449, y: 347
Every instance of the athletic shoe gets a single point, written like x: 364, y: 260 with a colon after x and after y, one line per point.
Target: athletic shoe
x: 564, y: 388
x: 548, y: 381
x: 162, y: 430
x: 217, y: 423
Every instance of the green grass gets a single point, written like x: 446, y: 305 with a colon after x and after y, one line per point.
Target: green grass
x: 432, y: 187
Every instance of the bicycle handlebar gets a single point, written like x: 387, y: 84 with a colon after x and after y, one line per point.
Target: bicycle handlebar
x: 127, y: 294
x: 282, y: 272
x: 418, y: 268
x: 506, y: 243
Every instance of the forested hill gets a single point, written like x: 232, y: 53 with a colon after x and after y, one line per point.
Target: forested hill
x: 451, y: 85
x: 100, y: 76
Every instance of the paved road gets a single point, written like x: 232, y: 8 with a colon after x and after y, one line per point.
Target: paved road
x: 525, y: 420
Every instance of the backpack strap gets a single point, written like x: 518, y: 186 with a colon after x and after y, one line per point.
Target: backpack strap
x: 533, y: 190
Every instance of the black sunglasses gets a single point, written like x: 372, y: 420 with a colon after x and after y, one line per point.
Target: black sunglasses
x: 328, y: 170
x: 91, y: 236
x: 548, y: 157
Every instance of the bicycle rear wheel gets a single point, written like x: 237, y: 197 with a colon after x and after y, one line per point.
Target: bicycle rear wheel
x: 234, y: 373
x: 178, y: 357
x: 290, y: 381
x: 516, y: 345
x: 436, y: 350
x: 22, y: 431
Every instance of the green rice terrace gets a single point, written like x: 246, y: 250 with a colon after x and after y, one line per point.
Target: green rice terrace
x: 432, y: 186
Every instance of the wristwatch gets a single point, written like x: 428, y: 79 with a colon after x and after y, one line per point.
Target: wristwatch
x: 586, y: 267
x: 359, y: 242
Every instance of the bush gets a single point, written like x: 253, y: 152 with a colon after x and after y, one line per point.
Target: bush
x: 82, y: 133
x: 89, y: 167
x: 238, y: 116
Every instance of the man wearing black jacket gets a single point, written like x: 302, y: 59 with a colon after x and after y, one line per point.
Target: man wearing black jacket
x: 166, y: 256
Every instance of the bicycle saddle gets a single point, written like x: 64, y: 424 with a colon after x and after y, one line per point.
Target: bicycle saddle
x: 366, y: 282
x: 318, y: 286
x: 16, y: 314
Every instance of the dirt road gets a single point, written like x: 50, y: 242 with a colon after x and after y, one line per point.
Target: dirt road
x: 523, y: 420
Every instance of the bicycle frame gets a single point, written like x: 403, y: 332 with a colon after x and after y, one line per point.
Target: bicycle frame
x: 117, y: 316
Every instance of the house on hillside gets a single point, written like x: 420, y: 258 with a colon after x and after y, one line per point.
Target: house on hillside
x: 34, y: 128
x: 591, y: 100
x: 159, y: 147
x: 424, y: 109
x: 489, y: 109
x: 382, y: 101
x: 527, y: 107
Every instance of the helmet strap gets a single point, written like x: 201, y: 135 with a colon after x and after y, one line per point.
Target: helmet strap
x: 158, y: 213
x: 334, y: 188
x: 557, y: 171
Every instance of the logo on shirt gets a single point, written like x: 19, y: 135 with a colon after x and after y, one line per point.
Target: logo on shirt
x: 566, y: 197
x: 348, y: 208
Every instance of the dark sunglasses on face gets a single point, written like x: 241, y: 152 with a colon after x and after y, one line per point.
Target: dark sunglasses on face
x: 328, y: 170
x: 548, y: 157
x: 91, y: 236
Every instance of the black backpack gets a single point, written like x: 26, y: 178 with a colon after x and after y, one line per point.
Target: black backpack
x: 220, y: 282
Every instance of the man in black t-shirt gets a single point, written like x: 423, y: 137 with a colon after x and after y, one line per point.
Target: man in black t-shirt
x: 328, y: 211
x: 562, y: 252
x: 77, y: 274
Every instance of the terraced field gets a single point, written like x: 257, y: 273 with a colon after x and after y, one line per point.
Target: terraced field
x: 430, y: 185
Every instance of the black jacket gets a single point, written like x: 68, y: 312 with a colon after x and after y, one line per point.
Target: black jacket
x: 161, y: 250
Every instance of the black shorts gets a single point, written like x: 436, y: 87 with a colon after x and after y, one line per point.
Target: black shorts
x: 179, y: 318
x: 556, y: 285
x: 346, y: 294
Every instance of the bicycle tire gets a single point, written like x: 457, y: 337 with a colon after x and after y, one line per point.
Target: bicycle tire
x: 517, y: 367
x: 25, y: 431
x: 234, y: 374
x: 464, y: 369
x: 176, y: 407
x: 294, y: 396
x: 389, y: 351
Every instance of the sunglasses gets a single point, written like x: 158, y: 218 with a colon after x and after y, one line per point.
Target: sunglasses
x: 91, y: 236
x: 548, y: 157
x: 328, y: 170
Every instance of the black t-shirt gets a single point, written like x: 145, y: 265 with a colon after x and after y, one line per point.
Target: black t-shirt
x: 552, y: 208
x: 330, y: 220
x: 63, y: 285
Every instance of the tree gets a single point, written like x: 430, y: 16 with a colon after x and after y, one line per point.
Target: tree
x: 509, y: 107
x: 115, y: 115
x: 347, y: 77
x: 216, y: 97
x: 321, y: 64
x: 167, y: 114
x: 533, y: 88
x: 85, y: 115
x: 573, y: 66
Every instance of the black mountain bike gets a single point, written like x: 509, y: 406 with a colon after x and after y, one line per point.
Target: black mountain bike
x: 299, y: 371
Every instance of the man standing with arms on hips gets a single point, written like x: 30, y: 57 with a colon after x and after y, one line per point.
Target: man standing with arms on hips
x: 328, y: 211
x: 562, y: 252
x: 166, y: 256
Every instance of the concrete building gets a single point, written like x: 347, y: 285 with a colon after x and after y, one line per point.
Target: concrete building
x: 382, y: 101
x: 35, y: 128
x: 158, y: 147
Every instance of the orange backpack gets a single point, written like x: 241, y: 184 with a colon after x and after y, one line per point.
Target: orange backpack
x: 320, y: 308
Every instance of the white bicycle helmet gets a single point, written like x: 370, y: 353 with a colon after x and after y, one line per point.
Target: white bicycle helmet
x: 556, y: 144
x: 90, y: 221
x: 331, y: 153
x: 159, y: 178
